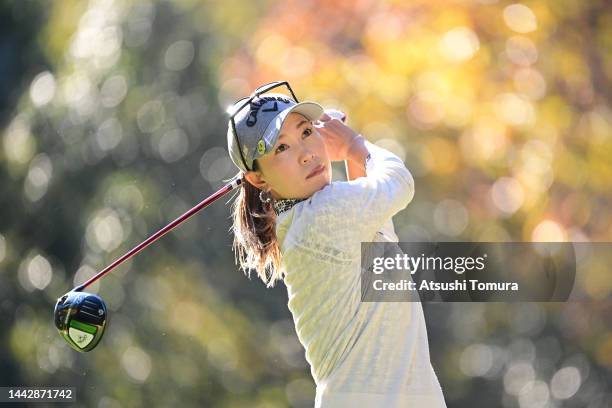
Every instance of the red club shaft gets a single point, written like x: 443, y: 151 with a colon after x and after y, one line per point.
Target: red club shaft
x: 204, y: 203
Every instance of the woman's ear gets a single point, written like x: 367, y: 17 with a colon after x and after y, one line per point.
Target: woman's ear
x: 255, y: 179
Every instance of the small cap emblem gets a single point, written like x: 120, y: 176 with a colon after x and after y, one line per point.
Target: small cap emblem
x: 261, y: 147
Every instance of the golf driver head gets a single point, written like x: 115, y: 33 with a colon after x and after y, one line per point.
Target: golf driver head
x: 80, y: 318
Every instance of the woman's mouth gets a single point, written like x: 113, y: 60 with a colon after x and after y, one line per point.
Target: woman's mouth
x: 318, y: 170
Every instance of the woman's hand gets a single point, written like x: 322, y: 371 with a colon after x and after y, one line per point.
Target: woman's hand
x: 337, y: 136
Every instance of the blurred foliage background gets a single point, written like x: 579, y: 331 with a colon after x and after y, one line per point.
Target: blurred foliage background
x: 112, y: 124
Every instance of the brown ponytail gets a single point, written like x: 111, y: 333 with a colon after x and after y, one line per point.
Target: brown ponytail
x: 254, y: 226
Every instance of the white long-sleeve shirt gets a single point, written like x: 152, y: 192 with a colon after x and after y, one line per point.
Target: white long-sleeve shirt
x: 360, y: 354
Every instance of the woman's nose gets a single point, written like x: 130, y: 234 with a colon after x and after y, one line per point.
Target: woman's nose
x: 307, y: 156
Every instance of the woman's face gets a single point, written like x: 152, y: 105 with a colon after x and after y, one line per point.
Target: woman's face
x: 298, y: 151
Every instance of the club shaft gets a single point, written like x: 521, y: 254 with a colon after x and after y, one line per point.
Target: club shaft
x: 204, y: 203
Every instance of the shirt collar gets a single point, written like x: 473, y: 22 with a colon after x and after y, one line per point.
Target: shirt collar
x: 285, y: 204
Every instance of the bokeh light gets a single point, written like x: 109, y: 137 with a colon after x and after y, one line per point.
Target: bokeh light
x: 137, y: 364
x: 520, y: 18
x: 42, y: 89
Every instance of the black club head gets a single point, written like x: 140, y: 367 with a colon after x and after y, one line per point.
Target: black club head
x: 80, y: 318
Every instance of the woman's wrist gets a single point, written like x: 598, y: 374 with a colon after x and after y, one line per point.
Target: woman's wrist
x: 357, y: 151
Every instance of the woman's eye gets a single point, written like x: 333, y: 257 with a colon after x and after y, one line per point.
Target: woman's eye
x: 307, y: 132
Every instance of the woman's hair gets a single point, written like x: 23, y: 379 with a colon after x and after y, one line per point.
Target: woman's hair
x: 254, y: 226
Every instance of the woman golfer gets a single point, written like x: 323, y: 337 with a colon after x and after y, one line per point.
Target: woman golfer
x: 292, y: 223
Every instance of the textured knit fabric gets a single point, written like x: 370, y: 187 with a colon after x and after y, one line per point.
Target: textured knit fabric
x: 360, y: 354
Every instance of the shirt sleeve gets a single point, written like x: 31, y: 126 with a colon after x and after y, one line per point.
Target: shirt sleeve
x: 345, y: 213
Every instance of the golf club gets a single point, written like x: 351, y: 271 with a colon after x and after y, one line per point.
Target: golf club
x: 81, y: 317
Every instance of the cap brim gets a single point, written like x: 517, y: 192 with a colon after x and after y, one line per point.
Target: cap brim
x: 310, y: 110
